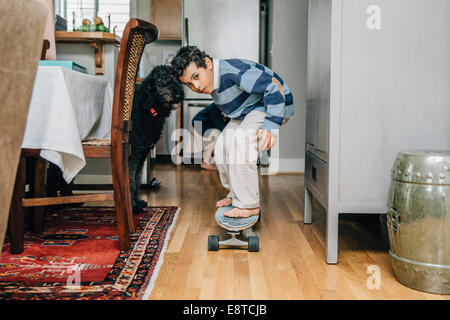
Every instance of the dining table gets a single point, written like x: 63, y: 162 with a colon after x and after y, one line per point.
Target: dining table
x: 66, y: 108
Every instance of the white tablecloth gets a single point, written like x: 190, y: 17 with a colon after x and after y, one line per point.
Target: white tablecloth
x: 66, y: 108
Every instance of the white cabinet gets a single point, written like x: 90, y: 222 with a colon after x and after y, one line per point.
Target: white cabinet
x: 378, y: 84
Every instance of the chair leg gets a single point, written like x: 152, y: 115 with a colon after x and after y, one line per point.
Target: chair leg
x: 16, y: 217
x: 129, y: 211
x: 40, y: 179
x: 120, y: 185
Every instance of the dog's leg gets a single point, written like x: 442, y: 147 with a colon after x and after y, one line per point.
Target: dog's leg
x: 133, y: 166
x: 140, y: 203
x: 136, y: 164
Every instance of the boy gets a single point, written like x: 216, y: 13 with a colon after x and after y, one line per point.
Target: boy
x: 256, y: 100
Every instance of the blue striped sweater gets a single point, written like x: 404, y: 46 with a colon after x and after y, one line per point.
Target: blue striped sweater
x: 244, y: 86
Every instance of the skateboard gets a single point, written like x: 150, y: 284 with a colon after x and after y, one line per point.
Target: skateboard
x: 235, y: 227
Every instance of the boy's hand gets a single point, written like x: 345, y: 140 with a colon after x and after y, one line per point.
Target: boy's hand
x: 266, y: 139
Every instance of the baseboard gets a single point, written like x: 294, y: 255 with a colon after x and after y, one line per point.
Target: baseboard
x: 93, y: 179
x: 285, y: 166
x: 163, y: 158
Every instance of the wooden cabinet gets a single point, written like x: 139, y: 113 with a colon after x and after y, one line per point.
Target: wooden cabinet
x: 167, y: 16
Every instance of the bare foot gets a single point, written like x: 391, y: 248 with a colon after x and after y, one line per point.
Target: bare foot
x: 224, y: 202
x: 241, y: 213
x: 208, y: 166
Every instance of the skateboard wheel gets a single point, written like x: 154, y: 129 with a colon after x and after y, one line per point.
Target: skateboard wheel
x: 253, y: 244
x: 213, y: 243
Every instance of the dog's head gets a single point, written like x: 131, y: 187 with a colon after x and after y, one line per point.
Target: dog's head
x: 161, y: 90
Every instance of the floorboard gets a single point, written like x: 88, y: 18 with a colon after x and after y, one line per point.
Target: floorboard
x: 291, y: 261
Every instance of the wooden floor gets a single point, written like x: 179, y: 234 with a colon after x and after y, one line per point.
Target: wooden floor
x: 291, y: 261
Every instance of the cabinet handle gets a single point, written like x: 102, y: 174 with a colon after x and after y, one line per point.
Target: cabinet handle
x: 314, y: 173
x: 186, y: 31
x: 394, y: 218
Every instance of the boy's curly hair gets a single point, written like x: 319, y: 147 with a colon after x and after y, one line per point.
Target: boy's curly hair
x: 185, y: 56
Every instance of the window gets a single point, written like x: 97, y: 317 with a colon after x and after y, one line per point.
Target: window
x: 117, y: 10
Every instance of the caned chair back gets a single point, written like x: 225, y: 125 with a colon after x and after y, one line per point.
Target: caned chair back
x: 136, y: 35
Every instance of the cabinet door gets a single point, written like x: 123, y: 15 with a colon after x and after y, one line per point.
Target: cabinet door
x: 318, y: 94
x: 395, y: 89
x: 166, y: 15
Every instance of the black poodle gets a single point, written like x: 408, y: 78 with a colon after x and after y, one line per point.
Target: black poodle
x: 154, y: 99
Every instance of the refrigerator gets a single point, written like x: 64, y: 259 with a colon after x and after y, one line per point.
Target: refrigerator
x: 224, y: 29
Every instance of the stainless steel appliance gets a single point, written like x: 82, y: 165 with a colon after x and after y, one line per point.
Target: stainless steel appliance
x: 166, y: 144
x: 224, y: 29
x: 192, y: 146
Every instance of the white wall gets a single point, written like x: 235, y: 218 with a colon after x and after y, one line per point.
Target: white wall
x: 288, y: 40
x: 140, y: 9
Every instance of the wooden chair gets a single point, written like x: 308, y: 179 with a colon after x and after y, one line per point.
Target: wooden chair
x: 136, y: 35
x: 45, y: 47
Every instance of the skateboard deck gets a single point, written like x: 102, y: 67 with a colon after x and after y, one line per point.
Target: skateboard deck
x: 235, y: 227
x: 234, y: 224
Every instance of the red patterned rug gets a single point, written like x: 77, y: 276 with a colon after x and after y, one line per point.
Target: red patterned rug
x: 77, y: 257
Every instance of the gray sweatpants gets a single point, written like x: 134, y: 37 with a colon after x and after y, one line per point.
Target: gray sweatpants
x: 236, y: 155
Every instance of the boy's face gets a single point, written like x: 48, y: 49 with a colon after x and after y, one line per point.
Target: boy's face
x: 199, y: 79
